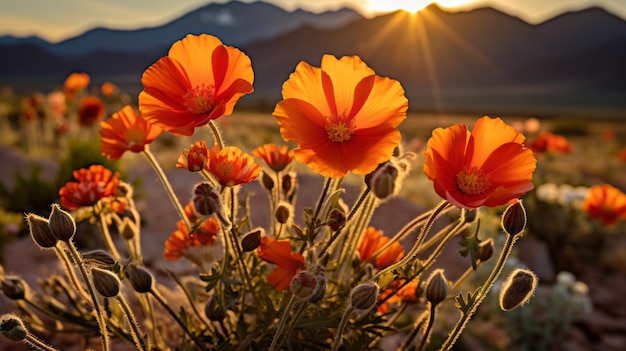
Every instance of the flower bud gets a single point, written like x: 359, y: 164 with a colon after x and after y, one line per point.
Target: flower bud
x: 471, y: 215
x: 13, y: 287
x: 336, y: 219
x: 514, y: 218
x: 206, y: 200
x: 288, y: 183
x: 267, y: 181
x: 12, y: 327
x: 517, y: 289
x: 363, y: 297
x: 106, y: 283
x: 382, y: 182
x: 139, y: 277
x: 436, y: 287
x: 61, y: 223
x: 213, y: 310
x: 283, y: 213
x: 319, y: 292
x: 129, y: 229
x: 485, y: 250
x: 99, y: 258
x: 251, y: 240
x: 303, y: 285
x: 40, y: 231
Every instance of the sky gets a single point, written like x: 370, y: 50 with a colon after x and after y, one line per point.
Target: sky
x: 57, y: 20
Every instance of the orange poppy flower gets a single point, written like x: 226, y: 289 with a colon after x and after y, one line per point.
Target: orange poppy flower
x: 194, y: 159
x: 279, y: 253
x: 605, y: 203
x: 231, y: 166
x: 277, y: 158
x: 549, y: 142
x: 108, y: 89
x: 489, y: 167
x: 91, y: 110
x: 342, y: 115
x: 373, y: 240
x: 75, y: 82
x: 405, y: 293
x: 125, y: 131
x: 199, y: 80
x: 203, y: 248
x: 93, y: 184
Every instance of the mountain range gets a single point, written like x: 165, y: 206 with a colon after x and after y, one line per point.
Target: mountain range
x: 471, y: 61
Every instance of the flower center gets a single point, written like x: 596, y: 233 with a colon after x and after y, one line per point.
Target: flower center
x: 472, y: 181
x: 199, y: 100
x: 339, y: 128
x: 225, y: 169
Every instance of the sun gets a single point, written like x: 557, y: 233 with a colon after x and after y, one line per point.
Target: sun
x: 411, y: 5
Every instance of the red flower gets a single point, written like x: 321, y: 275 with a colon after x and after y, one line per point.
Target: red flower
x: 372, y: 241
x: 288, y: 263
x: 125, y: 131
x: 548, y: 142
x: 276, y: 158
x: 605, y: 203
x: 93, y: 184
x: 90, y: 111
x: 489, y: 167
x: 199, y: 80
x: 231, y: 166
x: 405, y: 293
x: 194, y: 159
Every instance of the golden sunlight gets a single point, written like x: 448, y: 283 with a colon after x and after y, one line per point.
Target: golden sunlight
x: 411, y: 5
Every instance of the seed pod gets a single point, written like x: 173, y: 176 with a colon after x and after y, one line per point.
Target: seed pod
x: 12, y: 328
x: 206, y: 200
x: 363, y: 297
x: 106, y: 283
x: 336, y: 219
x: 517, y: 289
x: 140, y: 278
x: 61, y: 224
x: 267, y: 181
x: 99, y: 257
x: 251, y: 240
x: 303, y: 285
x: 514, y: 218
x: 382, y: 182
x: 436, y: 287
x: 13, y: 287
x: 213, y: 310
x: 40, y: 231
x: 283, y: 213
x: 485, y: 250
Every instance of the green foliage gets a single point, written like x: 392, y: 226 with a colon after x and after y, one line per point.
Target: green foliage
x: 81, y: 154
x: 32, y: 192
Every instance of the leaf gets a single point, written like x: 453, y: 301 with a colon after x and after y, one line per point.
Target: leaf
x: 470, y: 245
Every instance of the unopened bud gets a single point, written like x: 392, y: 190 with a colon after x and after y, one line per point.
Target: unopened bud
x: 382, y: 182
x: 303, y: 285
x: 363, y: 297
x: 336, y: 219
x: 251, y: 240
x: 283, y: 213
x: 139, y: 277
x: 61, y: 223
x: 13, y: 287
x: 485, y: 250
x: 213, y: 310
x: 436, y: 287
x: 99, y: 258
x: 267, y: 181
x: 129, y: 229
x: 12, y: 328
x: 124, y: 190
x: 517, y: 289
x: 40, y: 231
x: 514, y: 218
x: 206, y: 200
x: 288, y: 184
x: 471, y: 215
x: 106, y: 283
x: 320, y: 291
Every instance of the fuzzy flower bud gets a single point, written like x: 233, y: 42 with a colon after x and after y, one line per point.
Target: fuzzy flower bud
x: 13, y: 287
x: 40, y: 231
x: 336, y: 219
x: 382, y: 182
x: 251, y: 240
x: 12, y: 328
x: 213, y: 311
x: 267, y: 181
x: 514, y: 218
x: 436, y: 287
x: 288, y: 184
x: 61, y: 223
x: 283, y: 213
x: 206, y: 200
x: 319, y: 272
x: 99, y: 258
x: 303, y: 285
x: 517, y: 289
x: 139, y: 277
x: 129, y: 229
x: 485, y: 250
x: 363, y: 297
x: 106, y: 283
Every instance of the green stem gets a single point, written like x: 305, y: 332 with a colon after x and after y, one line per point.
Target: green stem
x: 106, y: 234
x: 482, y: 293
x: 429, y: 327
x: 341, y: 328
x: 140, y: 341
x: 71, y: 274
x: 168, y: 187
x: 281, y: 323
x: 217, y: 135
x: 99, y: 314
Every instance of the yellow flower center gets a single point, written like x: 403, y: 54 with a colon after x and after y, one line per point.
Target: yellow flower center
x: 339, y: 128
x: 200, y: 99
x: 472, y: 181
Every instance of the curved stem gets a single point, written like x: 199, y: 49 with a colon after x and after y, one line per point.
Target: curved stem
x: 71, y: 274
x: 480, y: 296
x: 106, y: 234
x: 37, y: 344
x: 341, y: 328
x: 416, y: 327
x: 140, y: 341
x: 217, y: 135
x: 429, y: 328
x: 281, y: 324
x: 168, y: 187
